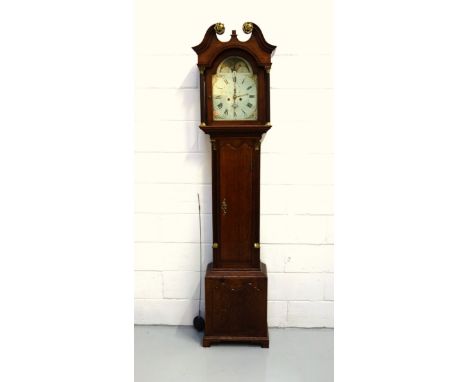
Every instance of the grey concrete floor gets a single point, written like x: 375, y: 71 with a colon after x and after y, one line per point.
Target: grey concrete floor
x: 174, y: 353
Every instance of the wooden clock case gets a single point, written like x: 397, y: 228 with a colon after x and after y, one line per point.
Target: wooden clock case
x: 236, y: 280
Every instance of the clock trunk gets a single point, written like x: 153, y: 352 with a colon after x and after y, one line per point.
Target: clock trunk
x: 236, y: 180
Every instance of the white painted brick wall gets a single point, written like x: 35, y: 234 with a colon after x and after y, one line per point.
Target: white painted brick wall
x: 148, y: 284
x: 181, y: 285
x: 173, y: 161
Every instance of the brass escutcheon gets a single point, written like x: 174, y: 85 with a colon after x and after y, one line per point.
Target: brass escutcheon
x: 224, y: 206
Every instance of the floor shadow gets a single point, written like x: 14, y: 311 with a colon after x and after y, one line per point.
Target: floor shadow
x: 190, y: 333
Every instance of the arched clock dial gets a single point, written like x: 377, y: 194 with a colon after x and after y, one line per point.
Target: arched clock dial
x: 234, y: 91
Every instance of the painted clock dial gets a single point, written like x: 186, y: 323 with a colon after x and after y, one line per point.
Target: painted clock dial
x: 234, y: 91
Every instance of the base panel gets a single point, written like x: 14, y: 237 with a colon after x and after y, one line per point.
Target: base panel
x: 264, y: 342
x: 236, y: 306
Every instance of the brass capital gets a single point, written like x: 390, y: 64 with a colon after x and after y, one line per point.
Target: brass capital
x: 213, y: 143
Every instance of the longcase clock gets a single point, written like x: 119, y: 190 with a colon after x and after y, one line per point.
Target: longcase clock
x: 235, y: 112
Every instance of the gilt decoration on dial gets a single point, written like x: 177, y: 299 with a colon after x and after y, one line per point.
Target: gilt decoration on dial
x: 234, y: 91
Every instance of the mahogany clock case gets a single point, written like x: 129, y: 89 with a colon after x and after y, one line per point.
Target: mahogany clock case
x: 236, y: 281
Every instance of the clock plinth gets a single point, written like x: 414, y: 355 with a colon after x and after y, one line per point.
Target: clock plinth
x: 235, y: 112
x: 236, y: 306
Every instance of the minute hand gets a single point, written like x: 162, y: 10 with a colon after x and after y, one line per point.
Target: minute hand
x: 240, y: 95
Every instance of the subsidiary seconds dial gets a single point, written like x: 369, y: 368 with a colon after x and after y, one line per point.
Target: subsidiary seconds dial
x: 234, y: 91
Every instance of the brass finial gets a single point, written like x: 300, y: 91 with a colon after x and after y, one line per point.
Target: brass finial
x: 219, y: 28
x: 247, y: 27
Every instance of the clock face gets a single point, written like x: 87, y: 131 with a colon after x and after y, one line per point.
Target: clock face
x: 234, y: 91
